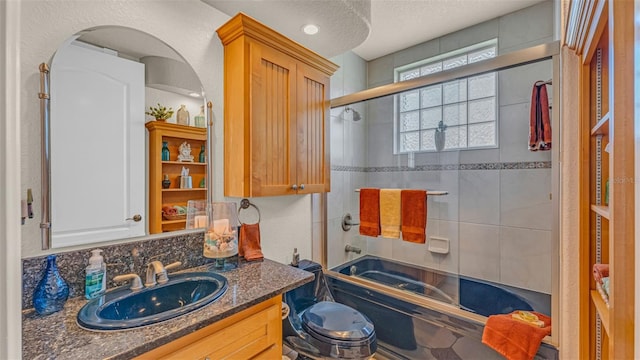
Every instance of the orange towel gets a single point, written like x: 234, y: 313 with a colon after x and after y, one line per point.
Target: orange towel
x: 370, y: 212
x: 414, y: 215
x: 539, y: 121
x: 390, y: 213
x: 514, y: 339
x: 600, y: 271
x: 249, y: 242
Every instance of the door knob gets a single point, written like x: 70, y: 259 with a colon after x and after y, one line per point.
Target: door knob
x: 301, y: 186
x: 136, y: 218
x: 294, y: 187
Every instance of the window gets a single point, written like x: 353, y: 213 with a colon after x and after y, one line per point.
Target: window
x: 466, y: 106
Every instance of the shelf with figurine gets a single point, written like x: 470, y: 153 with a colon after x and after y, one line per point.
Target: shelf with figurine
x: 177, y: 171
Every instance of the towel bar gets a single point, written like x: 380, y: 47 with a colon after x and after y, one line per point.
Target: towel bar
x: 429, y: 192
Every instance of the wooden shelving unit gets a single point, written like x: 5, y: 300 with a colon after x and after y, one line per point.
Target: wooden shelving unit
x: 601, y: 210
x: 601, y: 308
x: 174, y: 135
x: 601, y: 33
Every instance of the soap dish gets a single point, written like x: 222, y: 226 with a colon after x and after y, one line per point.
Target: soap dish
x: 438, y: 245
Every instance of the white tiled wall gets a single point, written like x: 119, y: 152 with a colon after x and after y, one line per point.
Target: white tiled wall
x: 498, y: 222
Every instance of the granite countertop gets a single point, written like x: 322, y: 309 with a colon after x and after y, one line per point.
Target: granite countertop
x: 58, y: 335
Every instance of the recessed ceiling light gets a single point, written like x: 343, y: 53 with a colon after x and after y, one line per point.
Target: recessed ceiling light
x: 194, y: 94
x: 310, y: 29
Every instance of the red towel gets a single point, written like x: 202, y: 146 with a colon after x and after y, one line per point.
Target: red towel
x: 249, y: 242
x: 514, y: 339
x: 414, y: 215
x: 600, y: 271
x: 539, y: 122
x: 370, y: 212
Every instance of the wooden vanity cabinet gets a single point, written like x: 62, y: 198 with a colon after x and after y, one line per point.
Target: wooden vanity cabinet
x: 254, y: 333
x: 174, y: 135
x: 276, y: 122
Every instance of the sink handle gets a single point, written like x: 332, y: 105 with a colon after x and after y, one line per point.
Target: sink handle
x: 173, y: 265
x: 162, y: 277
x: 136, y: 282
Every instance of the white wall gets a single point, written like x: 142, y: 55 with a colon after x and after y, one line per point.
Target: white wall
x: 10, y: 268
x: 187, y: 26
x: 153, y: 97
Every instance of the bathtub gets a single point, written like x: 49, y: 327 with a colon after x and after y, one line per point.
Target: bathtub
x: 408, y: 329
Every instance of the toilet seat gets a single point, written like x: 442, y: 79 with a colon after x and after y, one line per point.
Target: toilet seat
x: 337, y: 321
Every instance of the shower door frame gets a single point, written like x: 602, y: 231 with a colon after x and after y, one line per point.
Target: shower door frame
x: 547, y: 51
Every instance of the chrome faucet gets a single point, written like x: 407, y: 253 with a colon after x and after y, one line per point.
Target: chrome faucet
x: 349, y: 248
x: 157, y: 273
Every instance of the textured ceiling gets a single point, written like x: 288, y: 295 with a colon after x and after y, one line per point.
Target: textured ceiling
x: 345, y: 25
x: 399, y: 24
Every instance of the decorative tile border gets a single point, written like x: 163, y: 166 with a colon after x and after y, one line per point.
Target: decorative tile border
x: 442, y: 167
x: 121, y: 259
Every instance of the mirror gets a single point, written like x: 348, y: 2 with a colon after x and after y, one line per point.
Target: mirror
x: 102, y: 81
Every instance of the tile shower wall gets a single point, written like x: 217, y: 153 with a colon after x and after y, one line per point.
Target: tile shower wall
x: 497, y: 215
x: 348, y: 159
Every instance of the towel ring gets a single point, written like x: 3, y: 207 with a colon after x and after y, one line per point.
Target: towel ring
x: 244, y: 204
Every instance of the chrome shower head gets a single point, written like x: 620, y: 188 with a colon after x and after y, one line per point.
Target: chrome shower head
x: 356, y: 115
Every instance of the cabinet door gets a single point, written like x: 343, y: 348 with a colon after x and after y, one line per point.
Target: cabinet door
x: 312, y: 125
x: 97, y: 181
x: 272, y: 125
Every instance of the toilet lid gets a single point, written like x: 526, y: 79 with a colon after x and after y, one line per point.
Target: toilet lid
x: 337, y: 321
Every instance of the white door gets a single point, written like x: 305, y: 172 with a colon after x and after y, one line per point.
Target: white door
x: 97, y: 147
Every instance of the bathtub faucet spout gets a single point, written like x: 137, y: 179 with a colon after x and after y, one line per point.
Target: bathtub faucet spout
x: 349, y: 248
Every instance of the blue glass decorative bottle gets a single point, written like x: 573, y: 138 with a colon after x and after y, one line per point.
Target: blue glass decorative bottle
x: 165, y: 151
x: 52, y: 291
x: 202, y: 154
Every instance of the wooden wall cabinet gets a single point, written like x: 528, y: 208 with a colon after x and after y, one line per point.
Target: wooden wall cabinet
x: 601, y: 34
x: 254, y: 333
x: 276, y: 121
x: 174, y: 135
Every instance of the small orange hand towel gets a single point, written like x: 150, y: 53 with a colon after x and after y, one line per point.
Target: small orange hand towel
x: 370, y: 212
x: 600, y: 271
x: 249, y: 242
x: 514, y: 339
x: 414, y: 215
x: 390, y: 213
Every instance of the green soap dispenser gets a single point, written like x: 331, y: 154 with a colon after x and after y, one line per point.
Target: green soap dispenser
x: 95, y: 283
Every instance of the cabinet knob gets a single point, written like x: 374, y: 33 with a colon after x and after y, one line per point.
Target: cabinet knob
x: 295, y: 187
x: 136, y: 218
x: 301, y: 186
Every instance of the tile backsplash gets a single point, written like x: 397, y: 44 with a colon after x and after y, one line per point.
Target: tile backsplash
x: 120, y: 258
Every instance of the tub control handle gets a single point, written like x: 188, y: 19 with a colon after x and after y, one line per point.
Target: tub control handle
x: 347, y: 222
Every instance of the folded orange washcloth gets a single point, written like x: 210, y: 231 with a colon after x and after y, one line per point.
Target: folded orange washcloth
x: 370, y: 212
x: 249, y: 242
x: 514, y: 339
x: 390, y: 213
x: 600, y: 271
x: 414, y: 215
